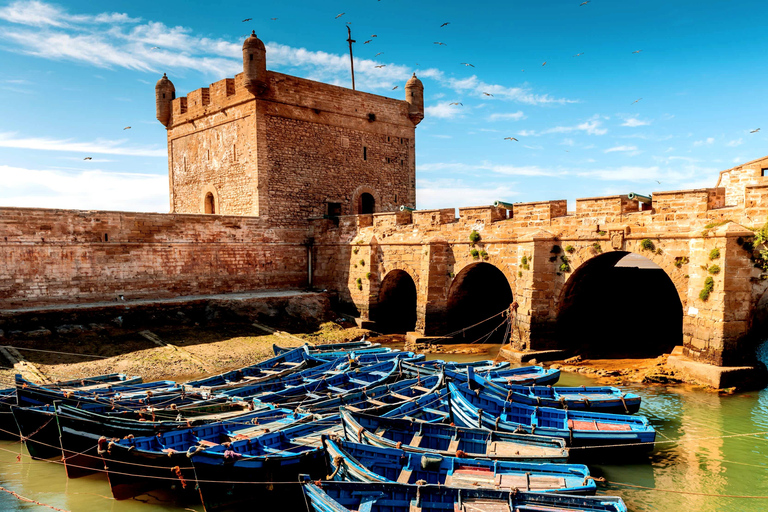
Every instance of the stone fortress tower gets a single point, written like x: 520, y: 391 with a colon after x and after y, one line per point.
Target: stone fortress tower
x: 286, y: 148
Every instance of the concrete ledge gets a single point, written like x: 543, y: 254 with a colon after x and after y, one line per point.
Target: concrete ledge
x: 527, y: 355
x: 720, y: 377
x: 365, y: 324
x: 413, y: 338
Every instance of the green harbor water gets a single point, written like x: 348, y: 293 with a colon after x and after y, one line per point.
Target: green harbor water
x: 697, y: 459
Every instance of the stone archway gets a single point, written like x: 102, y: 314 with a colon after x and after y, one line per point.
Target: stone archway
x: 619, y: 302
x: 396, y: 307
x: 477, y: 293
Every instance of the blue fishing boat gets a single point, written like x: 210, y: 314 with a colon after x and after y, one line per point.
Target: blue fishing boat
x: 316, y: 388
x: 447, y: 440
x: 372, y: 357
x: 498, y: 373
x: 366, y: 463
x: 582, y: 398
x: 346, y: 346
x: 379, y: 399
x: 578, y: 428
x: 264, y: 469
x: 285, y: 363
x: 388, y: 497
x: 156, y: 455
x: 429, y: 408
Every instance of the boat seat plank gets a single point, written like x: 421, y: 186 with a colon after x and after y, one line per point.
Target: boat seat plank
x: 537, y: 483
x: 400, y: 397
x: 380, y: 431
x: 404, y: 476
x: 375, y: 402
x: 436, y: 412
x: 485, y: 506
x: 597, y: 426
x: 453, y: 445
x: 422, y: 389
x: 415, y: 441
x: 337, y: 390
x: 358, y: 381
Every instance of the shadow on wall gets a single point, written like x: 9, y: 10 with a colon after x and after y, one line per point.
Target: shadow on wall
x: 619, y: 306
x: 477, y: 293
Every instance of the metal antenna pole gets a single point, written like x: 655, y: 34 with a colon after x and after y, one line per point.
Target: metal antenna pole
x: 351, y: 59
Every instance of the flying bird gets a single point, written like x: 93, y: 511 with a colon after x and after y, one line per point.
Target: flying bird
x: 339, y: 15
x: 88, y: 158
x: 378, y: 54
x: 585, y: 2
x: 467, y: 64
x: 581, y: 53
x: 638, y: 99
x: 374, y: 35
x: 487, y: 94
x: 456, y: 103
x: 368, y: 41
x: 381, y: 66
x: 155, y: 48
x: 511, y: 138
x: 127, y: 128
x: 444, y: 24
x: 273, y: 19
x: 544, y: 63
x: 439, y: 43
x: 755, y: 131
x: 247, y: 19
x: 637, y: 51
x: 657, y: 181
x: 395, y: 87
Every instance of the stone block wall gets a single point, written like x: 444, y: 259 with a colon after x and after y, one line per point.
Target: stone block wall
x: 70, y: 256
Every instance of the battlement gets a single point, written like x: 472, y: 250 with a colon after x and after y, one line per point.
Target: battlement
x: 608, y: 205
x: 688, y: 202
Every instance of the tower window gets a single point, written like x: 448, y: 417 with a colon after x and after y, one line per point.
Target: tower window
x: 763, y: 171
x: 334, y: 209
x: 365, y: 153
x: 251, y: 56
x: 210, y: 203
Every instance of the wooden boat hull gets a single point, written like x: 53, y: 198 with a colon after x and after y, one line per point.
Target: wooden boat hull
x: 445, y: 440
x: 487, y: 411
x: 366, y: 463
x: 38, y: 430
x: 380, y: 497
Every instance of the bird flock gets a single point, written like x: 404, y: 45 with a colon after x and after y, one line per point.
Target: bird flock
x: 438, y: 43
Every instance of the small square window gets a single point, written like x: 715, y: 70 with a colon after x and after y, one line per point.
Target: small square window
x: 763, y: 171
x: 334, y: 209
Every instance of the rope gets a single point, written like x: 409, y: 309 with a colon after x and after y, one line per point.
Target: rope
x: 61, y: 353
x: 30, y: 500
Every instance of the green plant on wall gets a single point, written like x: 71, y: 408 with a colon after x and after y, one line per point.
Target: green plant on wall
x: 484, y: 254
x: 709, y: 285
x: 359, y: 282
x: 474, y: 237
x: 570, y: 249
x: 368, y: 275
x: 475, y: 253
x: 646, y: 244
x: 524, y: 263
x: 714, y: 254
x: 356, y: 250
x: 680, y: 261
x: 596, y: 247
x: 565, y: 266
x: 362, y: 263
x: 519, y: 273
x: 714, y: 269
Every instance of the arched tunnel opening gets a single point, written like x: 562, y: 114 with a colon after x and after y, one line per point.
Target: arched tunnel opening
x: 396, y: 309
x: 477, y: 293
x: 620, y: 304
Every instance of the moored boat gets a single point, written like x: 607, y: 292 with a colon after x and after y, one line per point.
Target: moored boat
x: 366, y: 463
x: 578, y: 428
x: 447, y: 440
x: 393, y: 497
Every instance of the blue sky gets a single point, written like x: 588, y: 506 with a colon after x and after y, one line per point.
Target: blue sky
x: 597, y: 119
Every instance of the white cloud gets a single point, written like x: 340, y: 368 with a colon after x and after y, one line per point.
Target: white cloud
x: 94, y: 189
x: 620, y: 148
x: 592, y: 126
x: 709, y: 140
x: 39, y: 14
x: 443, y: 110
x: 447, y: 193
x: 101, y: 146
x: 512, y: 116
x: 634, y: 122
x: 735, y: 143
x: 476, y: 87
x: 485, y: 167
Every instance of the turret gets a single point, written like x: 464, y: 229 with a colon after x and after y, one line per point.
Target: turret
x: 165, y: 93
x: 255, y: 65
x: 414, y: 95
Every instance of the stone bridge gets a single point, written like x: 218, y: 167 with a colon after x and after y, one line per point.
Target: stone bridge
x: 615, y: 275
